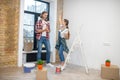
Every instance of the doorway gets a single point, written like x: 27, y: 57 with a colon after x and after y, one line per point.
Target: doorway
x: 52, y: 18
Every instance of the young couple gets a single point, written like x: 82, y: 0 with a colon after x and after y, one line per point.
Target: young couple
x: 42, y: 30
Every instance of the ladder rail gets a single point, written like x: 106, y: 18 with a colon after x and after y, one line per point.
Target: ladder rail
x: 68, y: 55
x: 77, y: 40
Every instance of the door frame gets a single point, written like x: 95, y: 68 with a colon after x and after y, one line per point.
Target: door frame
x: 53, y: 20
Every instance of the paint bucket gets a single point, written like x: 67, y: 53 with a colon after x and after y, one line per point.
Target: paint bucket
x: 28, y: 67
x: 58, y: 69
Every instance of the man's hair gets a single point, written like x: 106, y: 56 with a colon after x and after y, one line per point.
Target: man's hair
x: 41, y: 16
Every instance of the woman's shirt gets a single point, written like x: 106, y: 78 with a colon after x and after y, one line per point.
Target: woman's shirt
x: 63, y: 32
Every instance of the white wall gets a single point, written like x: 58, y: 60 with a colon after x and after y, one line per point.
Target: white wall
x: 53, y: 20
x: 20, y: 40
x: 100, y: 33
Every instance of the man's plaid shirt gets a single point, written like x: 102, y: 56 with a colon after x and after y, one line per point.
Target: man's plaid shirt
x: 39, y: 26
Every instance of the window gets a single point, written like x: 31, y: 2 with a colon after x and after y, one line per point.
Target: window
x: 29, y: 5
x: 35, y: 6
x: 28, y: 28
x: 32, y: 10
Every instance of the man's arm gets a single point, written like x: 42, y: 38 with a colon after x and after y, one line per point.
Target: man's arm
x: 40, y: 30
x: 48, y: 27
x: 39, y: 23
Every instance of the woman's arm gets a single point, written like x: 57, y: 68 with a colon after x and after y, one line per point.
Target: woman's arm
x: 60, y: 19
x: 67, y: 35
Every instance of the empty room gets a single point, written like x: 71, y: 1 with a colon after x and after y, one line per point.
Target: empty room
x: 59, y: 39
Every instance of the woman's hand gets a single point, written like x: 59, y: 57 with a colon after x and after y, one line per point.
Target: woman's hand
x: 60, y: 18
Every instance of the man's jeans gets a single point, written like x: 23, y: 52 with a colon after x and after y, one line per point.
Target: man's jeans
x: 45, y: 41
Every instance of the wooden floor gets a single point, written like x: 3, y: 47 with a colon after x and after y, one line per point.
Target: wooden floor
x: 71, y: 73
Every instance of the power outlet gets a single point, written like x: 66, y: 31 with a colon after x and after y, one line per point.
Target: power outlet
x: 107, y: 44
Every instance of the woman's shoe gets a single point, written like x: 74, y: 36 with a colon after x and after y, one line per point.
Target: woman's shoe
x: 62, y: 68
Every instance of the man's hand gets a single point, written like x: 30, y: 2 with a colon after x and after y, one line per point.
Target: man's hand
x: 47, y: 30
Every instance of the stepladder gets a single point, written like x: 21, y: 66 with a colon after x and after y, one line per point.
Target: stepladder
x: 77, y: 42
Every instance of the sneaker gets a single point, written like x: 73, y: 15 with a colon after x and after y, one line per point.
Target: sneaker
x: 62, y: 68
x: 49, y: 64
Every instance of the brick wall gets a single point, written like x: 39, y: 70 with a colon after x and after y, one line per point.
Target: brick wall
x: 9, y: 22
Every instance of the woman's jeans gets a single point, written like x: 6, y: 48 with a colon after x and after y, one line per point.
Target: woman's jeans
x: 61, y: 55
x: 45, y: 41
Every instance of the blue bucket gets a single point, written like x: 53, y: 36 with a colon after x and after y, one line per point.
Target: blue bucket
x: 28, y: 67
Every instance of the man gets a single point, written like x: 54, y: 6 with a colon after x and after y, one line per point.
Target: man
x: 42, y: 30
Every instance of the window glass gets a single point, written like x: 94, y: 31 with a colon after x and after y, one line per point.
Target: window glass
x: 28, y: 19
x: 29, y: 5
x: 40, y: 7
x: 28, y: 31
x: 35, y: 6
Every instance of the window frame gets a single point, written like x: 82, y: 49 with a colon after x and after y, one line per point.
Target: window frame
x: 35, y: 20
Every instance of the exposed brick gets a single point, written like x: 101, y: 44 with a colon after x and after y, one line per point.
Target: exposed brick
x: 9, y: 23
x: 59, y: 8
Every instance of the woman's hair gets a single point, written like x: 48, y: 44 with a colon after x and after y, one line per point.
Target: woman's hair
x: 41, y: 16
x: 66, y: 22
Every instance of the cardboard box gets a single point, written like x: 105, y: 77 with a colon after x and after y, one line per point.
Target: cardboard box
x: 111, y: 72
x: 28, y: 45
x: 41, y: 74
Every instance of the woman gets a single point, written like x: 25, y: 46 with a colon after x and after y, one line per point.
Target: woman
x: 42, y: 34
x: 63, y: 35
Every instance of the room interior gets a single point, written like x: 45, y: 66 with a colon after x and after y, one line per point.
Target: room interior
x: 96, y: 21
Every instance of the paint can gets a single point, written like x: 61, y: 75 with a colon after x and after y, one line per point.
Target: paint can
x: 28, y: 67
x: 58, y: 69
